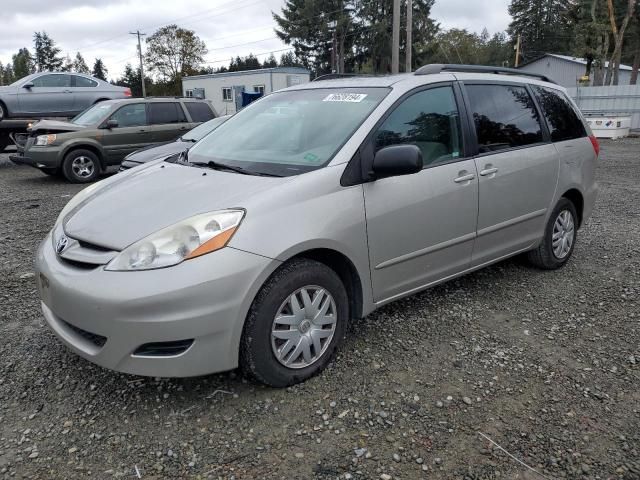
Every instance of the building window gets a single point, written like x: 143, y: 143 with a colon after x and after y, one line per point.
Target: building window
x: 259, y: 89
x: 227, y: 96
x: 189, y: 93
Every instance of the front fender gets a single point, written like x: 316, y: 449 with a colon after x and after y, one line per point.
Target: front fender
x: 87, y: 143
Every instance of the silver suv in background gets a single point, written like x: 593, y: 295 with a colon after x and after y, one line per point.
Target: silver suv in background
x: 55, y: 94
x: 312, y: 206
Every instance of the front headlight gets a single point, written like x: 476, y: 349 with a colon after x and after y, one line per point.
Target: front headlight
x: 170, y: 246
x: 44, y: 140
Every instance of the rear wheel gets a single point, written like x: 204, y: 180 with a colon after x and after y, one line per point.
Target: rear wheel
x: 295, y: 325
x: 3, y: 112
x: 81, y: 166
x: 559, y: 237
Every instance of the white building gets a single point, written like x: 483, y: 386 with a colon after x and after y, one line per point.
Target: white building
x: 567, y: 71
x: 225, y: 90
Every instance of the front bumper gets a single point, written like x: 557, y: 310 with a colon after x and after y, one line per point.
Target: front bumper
x: 38, y: 157
x: 204, y: 299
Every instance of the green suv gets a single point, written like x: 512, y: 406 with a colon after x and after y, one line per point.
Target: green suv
x: 101, y: 136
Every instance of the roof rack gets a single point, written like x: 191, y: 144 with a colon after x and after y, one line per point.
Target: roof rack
x: 452, y: 67
x: 334, y: 76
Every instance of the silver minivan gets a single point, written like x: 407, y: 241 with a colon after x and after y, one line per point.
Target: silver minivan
x: 311, y: 207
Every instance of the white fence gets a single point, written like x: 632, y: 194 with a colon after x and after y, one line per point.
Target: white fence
x: 619, y: 100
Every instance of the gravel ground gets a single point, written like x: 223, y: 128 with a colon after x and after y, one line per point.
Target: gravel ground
x: 545, y: 364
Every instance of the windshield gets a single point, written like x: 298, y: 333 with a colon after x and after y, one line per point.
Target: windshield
x: 290, y: 132
x: 201, y: 130
x: 93, y: 115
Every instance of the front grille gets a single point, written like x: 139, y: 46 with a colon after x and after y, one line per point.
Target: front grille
x: 94, y: 338
x: 163, y: 349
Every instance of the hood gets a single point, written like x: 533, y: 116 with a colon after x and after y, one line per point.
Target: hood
x: 56, y: 126
x: 158, y: 151
x: 131, y: 205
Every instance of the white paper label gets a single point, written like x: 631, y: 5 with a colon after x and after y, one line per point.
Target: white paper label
x: 345, y: 97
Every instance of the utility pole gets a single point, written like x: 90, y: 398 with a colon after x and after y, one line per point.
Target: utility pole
x: 138, y: 34
x: 334, y: 47
x: 395, y: 40
x: 409, y: 50
x: 517, y: 51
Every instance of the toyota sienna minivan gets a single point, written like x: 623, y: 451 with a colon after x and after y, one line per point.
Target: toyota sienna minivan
x: 313, y: 206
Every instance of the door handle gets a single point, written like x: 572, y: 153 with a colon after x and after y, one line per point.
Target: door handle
x: 464, y: 178
x: 67, y: 91
x: 488, y: 171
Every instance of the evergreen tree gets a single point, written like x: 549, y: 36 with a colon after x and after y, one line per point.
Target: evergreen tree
x: 544, y: 26
x: 22, y: 64
x: 46, y: 53
x: 270, y: 62
x: 131, y: 78
x: 311, y: 27
x: 79, y: 64
x: 288, y: 59
x: 67, y: 64
x: 99, y: 70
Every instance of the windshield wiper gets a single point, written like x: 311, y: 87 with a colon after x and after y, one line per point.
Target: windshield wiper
x: 231, y: 168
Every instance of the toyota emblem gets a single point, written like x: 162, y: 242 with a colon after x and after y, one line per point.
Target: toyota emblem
x: 63, y: 241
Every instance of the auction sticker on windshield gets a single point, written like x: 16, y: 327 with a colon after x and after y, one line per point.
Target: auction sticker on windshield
x: 345, y: 97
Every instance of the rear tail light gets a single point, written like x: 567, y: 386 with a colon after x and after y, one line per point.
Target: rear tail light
x: 596, y: 145
x: 127, y: 92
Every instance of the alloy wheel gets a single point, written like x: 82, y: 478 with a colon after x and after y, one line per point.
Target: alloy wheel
x: 82, y: 166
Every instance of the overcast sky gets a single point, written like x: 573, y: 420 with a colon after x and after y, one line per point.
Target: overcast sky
x: 99, y: 28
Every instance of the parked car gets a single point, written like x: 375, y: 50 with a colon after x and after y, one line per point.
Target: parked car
x: 55, y: 94
x: 258, y: 246
x: 165, y: 150
x: 101, y: 136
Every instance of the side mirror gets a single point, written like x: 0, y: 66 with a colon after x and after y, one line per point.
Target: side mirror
x: 111, y: 123
x: 28, y: 85
x: 397, y: 160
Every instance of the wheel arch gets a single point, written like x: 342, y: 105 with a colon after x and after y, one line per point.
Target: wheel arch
x: 575, y: 196
x: 83, y: 146
x: 345, y: 269
x: 6, y: 109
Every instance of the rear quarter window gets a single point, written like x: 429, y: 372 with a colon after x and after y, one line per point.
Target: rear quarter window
x: 563, y: 121
x: 199, y: 111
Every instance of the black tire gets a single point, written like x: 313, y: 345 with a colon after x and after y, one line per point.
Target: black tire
x: 75, y: 158
x: 257, y: 358
x: 3, y: 113
x: 543, y: 256
x: 4, y: 141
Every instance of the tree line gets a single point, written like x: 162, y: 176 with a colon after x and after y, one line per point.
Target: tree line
x: 354, y: 36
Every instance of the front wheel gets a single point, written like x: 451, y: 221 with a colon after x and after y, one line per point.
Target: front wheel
x: 81, y: 166
x: 559, y: 237
x: 3, y: 111
x: 295, y: 325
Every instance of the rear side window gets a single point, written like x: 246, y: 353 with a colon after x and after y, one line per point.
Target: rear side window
x: 505, y: 117
x: 84, y: 82
x: 428, y: 119
x: 563, y: 121
x: 169, y: 112
x: 199, y: 111
x: 53, y: 81
x: 131, y: 115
